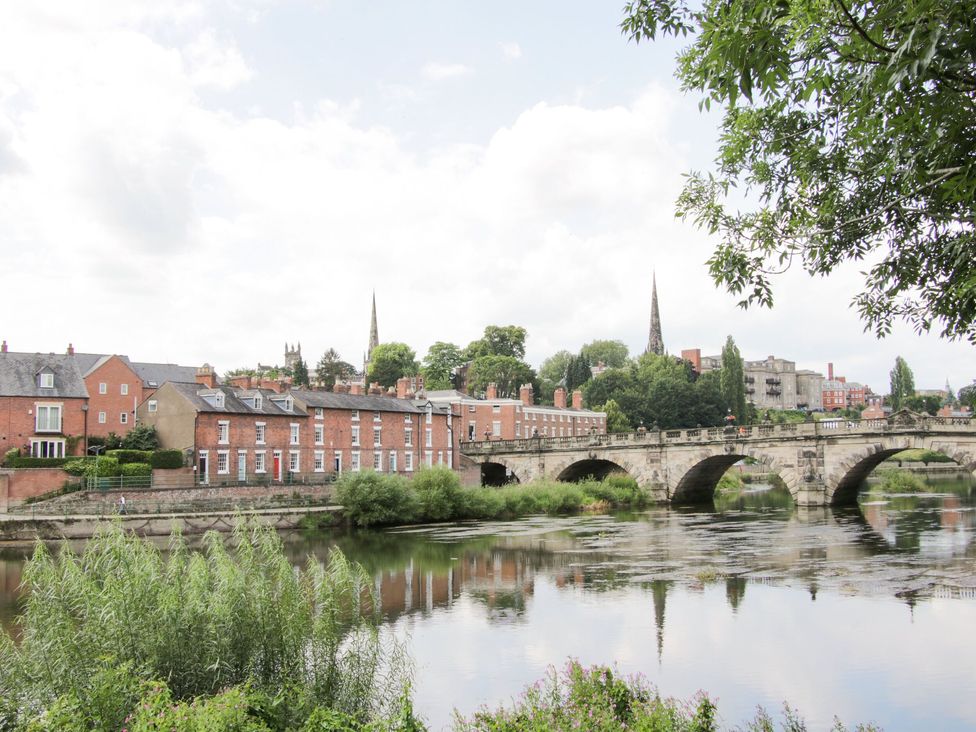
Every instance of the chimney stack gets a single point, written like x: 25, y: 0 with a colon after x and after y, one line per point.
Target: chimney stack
x: 525, y: 394
x: 492, y: 391
x: 402, y: 387
x: 559, y: 397
x: 3, y: 346
x: 71, y: 350
x: 830, y: 371
x: 577, y: 399
x: 243, y: 381
x: 356, y: 389
x: 375, y: 389
x: 206, y: 376
x: 340, y: 387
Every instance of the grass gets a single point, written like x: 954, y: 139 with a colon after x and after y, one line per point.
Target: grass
x: 900, y: 481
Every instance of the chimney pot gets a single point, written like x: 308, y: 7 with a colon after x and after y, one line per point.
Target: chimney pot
x: 71, y: 349
x: 526, y: 395
x: 559, y: 398
x: 577, y: 399
x: 3, y: 346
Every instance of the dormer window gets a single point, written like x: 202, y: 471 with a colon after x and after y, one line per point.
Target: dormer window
x: 258, y: 402
x: 219, y: 399
x: 288, y: 404
x: 46, y: 380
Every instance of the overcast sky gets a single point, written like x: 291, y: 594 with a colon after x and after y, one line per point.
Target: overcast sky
x: 190, y: 181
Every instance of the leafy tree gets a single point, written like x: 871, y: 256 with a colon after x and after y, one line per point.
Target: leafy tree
x: 331, y: 367
x: 613, y: 354
x: 923, y: 404
x: 967, y: 396
x: 508, y: 340
x: 141, y: 437
x: 441, y: 359
x: 616, y: 420
x: 553, y: 369
x: 299, y: 373
x: 577, y: 372
x: 733, y: 381
x: 902, y: 383
x: 389, y: 362
x: 507, y: 372
x: 856, y: 124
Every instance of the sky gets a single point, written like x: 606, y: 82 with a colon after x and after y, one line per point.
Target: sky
x: 194, y: 181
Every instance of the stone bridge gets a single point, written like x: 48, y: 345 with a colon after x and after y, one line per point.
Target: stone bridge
x: 822, y: 463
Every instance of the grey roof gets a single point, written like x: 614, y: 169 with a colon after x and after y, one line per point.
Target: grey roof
x: 87, y: 362
x: 363, y: 402
x: 18, y: 375
x: 194, y: 393
x: 157, y: 374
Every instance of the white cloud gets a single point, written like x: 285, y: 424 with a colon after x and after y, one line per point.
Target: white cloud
x: 215, y: 64
x: 441, y: 72
x: 510, y: 50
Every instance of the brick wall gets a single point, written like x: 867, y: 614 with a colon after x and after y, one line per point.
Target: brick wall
x: 18, y: 485
x: 116, y: 377
x: 18, y: 417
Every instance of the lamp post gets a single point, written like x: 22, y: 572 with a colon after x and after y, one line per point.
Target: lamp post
x: 97, y: 449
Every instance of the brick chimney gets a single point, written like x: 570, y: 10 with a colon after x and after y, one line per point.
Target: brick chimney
x: 243, y: 381
x: 206, y: 376
x: 830, y: 372
x: 492, y: 391
x: 340, y: 387
x: 577, y: 399
x: 402, y: 387
x: 3, y: 346
x: 559, y: 397
x: 525, y: 394
x: 375, y: 389
x: 356, y: 389
x: 71, y: 350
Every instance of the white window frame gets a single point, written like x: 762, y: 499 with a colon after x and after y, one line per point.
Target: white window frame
x: 337, y: 461
x: 391, y: 461
x: 260, y: 432
x: 496, y: 428
x: 377, y: 416
x: 319, y: 413
x: 428, y: 437
x: 123, y: 418
x: 219, y: 399
x: 55, y: 446
x: 294, y: 433
x: 496, y: 408
x: 102, y: 417
x: 429, y: 417
x: 102, y: 387
x: 48, y: 410
x: 355, y: 435
x: 223, y: 455
x: 318, y: 464
x: 355, y: 415
x: 378, y: 461
x: 320, y: 434
x: 408, y: 461
x: 204, y: 457
x: 46, y: 380
x: 377, y: 436
x: 294, y: 461
x: 408, y: 436
x: 124, y: 389
x: 429, y: 458
x: 152, y: 406
x: 223, y: 432
x: 260, y: 466
x: 355, y: 463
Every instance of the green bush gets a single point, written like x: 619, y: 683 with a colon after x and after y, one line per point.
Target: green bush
x: 36, y: 462
x: 129, y: 456
x: 900, y: 481
x: 167, y: 459
x: 12, y: 453
x: 78, y: 466
x: 136, y: 469
x: 373, y: 499
x: 439, y: 493
x: 141, y: 437
x: 104, y: 467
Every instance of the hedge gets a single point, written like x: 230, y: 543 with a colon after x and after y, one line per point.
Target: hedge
x: 140, y: 469
x: 36, y: 462
x: 130, y: 456
x: 168, y: 459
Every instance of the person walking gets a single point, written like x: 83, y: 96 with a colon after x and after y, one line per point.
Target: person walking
x: 121, y: 505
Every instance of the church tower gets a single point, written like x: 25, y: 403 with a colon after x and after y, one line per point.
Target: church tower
x: 655, y: 343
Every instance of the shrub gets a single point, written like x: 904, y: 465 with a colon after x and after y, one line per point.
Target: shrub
x: 373, y: 499
x: 36, y: 462
x: 167, y: 459
x: 900, y: 481
x: 78, y: 466
x: 439, y: 493
x: 729, y: 482
x: 136, y: 469
x: 103, y: 467
x: 129, y: 456
x: 141, y: 437
x: 112, y: 442
x: 10, y: 455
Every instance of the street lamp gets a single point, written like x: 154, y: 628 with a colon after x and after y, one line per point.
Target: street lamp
x: 97, y: 449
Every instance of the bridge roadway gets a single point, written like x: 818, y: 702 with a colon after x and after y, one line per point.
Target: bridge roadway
x: 822, y: 463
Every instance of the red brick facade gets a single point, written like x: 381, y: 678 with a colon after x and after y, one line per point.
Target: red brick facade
x: 114, y: 392
x: 42, y: 427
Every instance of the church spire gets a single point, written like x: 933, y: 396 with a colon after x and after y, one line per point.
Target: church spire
x: 655, y: 343
x: 374, y: 335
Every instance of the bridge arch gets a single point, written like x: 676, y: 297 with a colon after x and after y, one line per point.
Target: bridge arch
x: 498, y: 472
x: 597, y: 468
x: 698, y: 481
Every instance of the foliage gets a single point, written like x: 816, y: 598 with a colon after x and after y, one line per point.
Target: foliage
x: 439, y: 363
x: 35, y: 462
x: 730, y: 481
x: 141, y: 437
x: 553, y: 369
x: 506, y: 372
x: 856, y: 126
x: 373, y: 499
x: 612, y: 354
x: 111, y: 442
x: 391, y: 361
x: 129, y: 456
x: 967, y: 396
x: 924, y: 404
x: 595, y: 698
x: 203, y: 622
x: 732, y: 380
x: 135, y: 469
x: 498, y: 340
x: 168, y: 459
x: 10, y: 455
x: 900, y: 481
x: 299, y: 373
x: 577, y: 372
x: 438, y: 492
x: 616, y: 419
x: 902, y: 384
x: 920, y: 456
x: 330, y: 368
x: 784, y: 416
x: 77, y: 466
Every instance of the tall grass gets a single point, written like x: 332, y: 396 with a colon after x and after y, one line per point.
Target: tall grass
x: 199, y: 622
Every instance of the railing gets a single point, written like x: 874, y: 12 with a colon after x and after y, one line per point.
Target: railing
x: 146, y: 482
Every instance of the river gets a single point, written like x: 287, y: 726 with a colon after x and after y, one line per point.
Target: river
x: 864, y: 614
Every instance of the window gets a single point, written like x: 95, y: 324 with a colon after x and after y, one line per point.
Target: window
x: 48, y: 418
x: 294, y: 433
x: 47, y: 448
x: 319, y: 413
x: 223, y: 462
x: 102, y: 418
x: 355, y: 435
x: 223, y: 432
x: 46, y: 380
x: 377, y: 461
x: 123, y: 417
x: 430, y: 414
x: 472, y: 408
x: 293, y: 466
x: 355, y: 461
x: 406, y: 419
x: 259, y: 429
x: 408, y: 461
x: 319, y: 463
x: 377, y: 417
x: 496, y: 429
x: 124, y: 389
x: 355, y: 415
x: 219, y: 399
x: 408, y: 436
x: 152, y: 406
x: 102, y: 387
x: 440, y: 457
x: 377, y: 436
x: 429, y: 458
x: 427, y: 438
x: 258, y: 402
x: 319, y: 434
x: 203, y: 470
x: 337, y: 462
x: 393, y: 461
x: 496, y: 408
x: 259, y: 464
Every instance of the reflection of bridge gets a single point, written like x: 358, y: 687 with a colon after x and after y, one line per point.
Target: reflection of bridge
x: 821, y: 463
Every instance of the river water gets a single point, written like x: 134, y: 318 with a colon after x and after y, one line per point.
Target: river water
x: 864, y: 614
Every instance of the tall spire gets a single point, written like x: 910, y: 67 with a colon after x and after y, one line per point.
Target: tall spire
x: 374, y: 335
x: 655, y: 343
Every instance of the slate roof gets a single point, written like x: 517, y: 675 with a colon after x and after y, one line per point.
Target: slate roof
x: 362, y: 402
x: 18, y: 375
x: 152, y: 374
x: 194, y: 393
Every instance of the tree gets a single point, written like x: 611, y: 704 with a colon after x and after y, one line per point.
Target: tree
x: 508, y: 340
x: 299, y: 373
x: 389, y: 362
x: 732, y: 380
x: 331, y: 367
x: 902, y: 384
x: 967, y: 396
x: 577, y: 372
x: 440, y: 361
x: 141, y: 437
x: 553, y: 369
x: 506, y: 372
x: 856, y: 125
x: 616, y: 420
x: 612, y: 354
x: 923, y: 404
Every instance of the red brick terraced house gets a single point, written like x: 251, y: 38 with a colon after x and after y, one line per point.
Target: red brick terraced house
x: 43, y: 404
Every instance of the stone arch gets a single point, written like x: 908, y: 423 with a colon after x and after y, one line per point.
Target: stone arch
x: 843, y: 482
x: 498, y: 471
x: 697, y: 483
x: 598, y: 468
